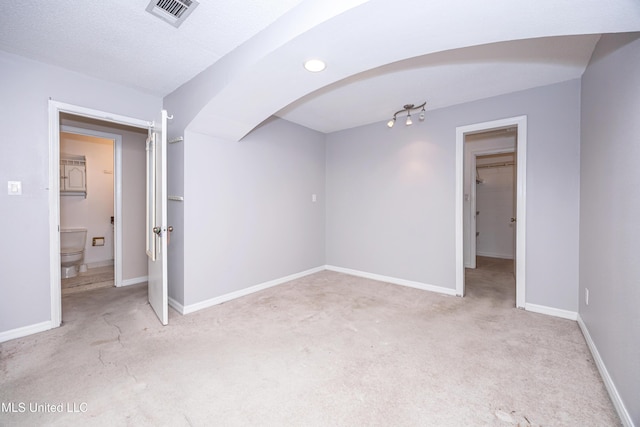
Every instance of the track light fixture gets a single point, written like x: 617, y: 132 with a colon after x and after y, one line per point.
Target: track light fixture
x: 408, y: 109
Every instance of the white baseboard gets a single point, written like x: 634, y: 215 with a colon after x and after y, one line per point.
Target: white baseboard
x: 25, y: 330
x: 242, y: 292
x: 393, y: 280
x: 624, y: 415
x: 105, y: 263
x: 176, y: 306
x: 550, y: 311
x: 134, y: 281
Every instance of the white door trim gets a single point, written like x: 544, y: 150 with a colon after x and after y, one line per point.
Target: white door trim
x: 117, y: 194
x: 55, y: 108
x: 521, y: 148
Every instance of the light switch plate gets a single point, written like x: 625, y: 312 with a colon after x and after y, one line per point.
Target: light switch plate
x: 14, y: 188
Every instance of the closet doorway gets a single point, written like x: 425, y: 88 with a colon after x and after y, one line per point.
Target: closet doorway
x: 491, y: 144
x: 493, y: 205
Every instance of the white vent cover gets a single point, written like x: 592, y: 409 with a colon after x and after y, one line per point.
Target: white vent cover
x: 172, y: 11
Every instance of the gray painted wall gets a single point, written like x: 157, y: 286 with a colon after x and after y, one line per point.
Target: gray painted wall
x: 175, y: 216
x: 25, y: 88
x: 248, y: 213
x: 610, y: 210
x: 391, y: 193
x: 134, y: 256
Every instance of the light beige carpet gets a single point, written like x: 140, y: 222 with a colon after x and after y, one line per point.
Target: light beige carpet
x: 325, y: 350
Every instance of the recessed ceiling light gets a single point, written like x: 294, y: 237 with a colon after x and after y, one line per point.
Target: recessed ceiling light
x: 315, y: 65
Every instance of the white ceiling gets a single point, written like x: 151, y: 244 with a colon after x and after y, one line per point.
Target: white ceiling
x: 443, y: 79
x: 381, y: 54
x: 117, y: 40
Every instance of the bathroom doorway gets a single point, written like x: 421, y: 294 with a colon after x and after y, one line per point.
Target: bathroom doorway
x: 114, y: 205
x: 87, y: 208
x: 137, y: 194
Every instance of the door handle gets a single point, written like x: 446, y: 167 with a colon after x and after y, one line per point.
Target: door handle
x: 169, y: 229
x: 158, y: 230
x: 513, y: 220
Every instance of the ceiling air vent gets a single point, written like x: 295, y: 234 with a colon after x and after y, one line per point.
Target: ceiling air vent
x: 172, y: 11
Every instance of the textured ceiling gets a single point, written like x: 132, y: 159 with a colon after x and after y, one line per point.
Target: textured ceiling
x: 380, y: 54
x: 117, y: 40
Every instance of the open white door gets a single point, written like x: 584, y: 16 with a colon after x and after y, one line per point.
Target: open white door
x: 514, y: 218
x: 157, y: 229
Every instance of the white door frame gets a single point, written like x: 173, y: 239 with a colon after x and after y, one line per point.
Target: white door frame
x: 117, y: 194
x: 55, y: 108
x: 521, y: 148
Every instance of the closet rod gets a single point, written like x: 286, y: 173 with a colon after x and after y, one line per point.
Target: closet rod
x: 495, y: 165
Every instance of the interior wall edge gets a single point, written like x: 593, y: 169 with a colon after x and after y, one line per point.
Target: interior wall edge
x: 190, y: 308
x: 551, y: 311
x: 394, y: 280
x: 623, y: 413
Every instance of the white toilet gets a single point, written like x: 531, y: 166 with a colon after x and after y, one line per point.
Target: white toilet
x: 72, y: 241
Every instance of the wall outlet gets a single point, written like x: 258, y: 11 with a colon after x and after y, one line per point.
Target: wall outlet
x: 14, y: 188
x: 586, y: 296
